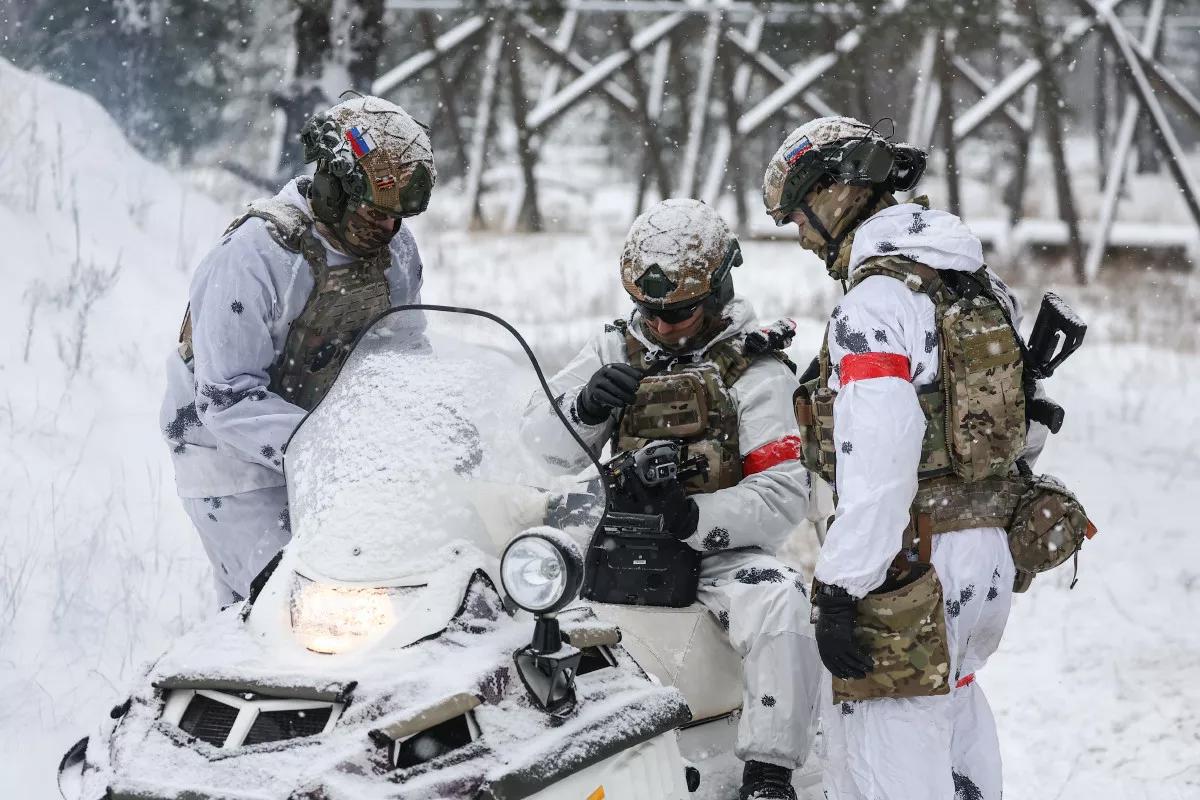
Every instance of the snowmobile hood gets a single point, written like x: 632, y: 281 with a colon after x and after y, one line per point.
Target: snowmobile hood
x: 937, y: 238
x: 742, y: 320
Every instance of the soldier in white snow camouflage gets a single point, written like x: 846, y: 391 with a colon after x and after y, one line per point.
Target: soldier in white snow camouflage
x: 273, y: 311
x: 688, y: 365
x: 917, y: 417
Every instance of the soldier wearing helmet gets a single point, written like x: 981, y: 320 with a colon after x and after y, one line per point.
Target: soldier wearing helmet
x: 274, y: 309
x: 691, y: 343
x: 915, y: 413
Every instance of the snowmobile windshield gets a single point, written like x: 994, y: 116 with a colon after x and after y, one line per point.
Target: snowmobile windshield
x: 417, y: 448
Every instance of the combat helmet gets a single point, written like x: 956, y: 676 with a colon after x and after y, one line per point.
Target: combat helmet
x: 372, y: 153
x: 679, y: 254
x: 844, y: 155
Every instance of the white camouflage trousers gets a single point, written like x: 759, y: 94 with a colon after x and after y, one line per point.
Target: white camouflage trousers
x: 763, y: 605
x: 932, y: 748
x: 241, y: 534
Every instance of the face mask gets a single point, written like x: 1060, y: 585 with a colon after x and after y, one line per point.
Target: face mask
x: 363, y: 237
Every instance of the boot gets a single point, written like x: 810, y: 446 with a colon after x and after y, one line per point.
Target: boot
x: 766, y: 782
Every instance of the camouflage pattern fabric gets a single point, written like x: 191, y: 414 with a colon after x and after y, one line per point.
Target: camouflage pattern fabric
x: 905, y: 632
x: 1048, y: 526
x: 672, y: 252
x: 982, y: 412
x: 689, y: 402
x: 343, y: 301
x: 982, y: 373
x: 398, y: 149
x: 818, y: 132
x: 952, y: 504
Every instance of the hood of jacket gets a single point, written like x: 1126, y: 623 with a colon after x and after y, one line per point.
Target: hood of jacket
x: 937, y: 238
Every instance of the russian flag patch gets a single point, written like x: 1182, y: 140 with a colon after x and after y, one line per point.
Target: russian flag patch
x: 360, y: 141
x: 802, y: 147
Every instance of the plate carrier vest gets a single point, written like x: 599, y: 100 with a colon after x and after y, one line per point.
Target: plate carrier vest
x: 974, y: 412
x: 686, y: 398
x: 343, y: 301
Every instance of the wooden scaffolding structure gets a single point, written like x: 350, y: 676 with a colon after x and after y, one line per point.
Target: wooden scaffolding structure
x: 738, y: 88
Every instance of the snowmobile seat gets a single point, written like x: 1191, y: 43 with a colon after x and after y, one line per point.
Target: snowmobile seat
x: 684, y: 648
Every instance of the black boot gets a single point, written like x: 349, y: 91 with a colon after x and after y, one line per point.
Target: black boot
x: 766, y: 782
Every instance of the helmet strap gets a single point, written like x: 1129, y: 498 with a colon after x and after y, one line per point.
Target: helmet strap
x: 833, y: 244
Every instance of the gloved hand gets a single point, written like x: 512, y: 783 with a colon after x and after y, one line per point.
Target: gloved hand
x: 611, y: 388
x: 835, y: 614
x: 774, y: 337
x: 680, y: 512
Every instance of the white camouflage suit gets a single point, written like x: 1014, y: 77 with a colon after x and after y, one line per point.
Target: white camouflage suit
x: 930, y: 748
x: 759, y: 601
x: 225, y: 427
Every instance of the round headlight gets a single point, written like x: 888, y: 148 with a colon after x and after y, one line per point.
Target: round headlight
x: 541, y: 572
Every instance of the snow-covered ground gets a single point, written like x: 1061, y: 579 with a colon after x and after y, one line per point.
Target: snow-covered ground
x: 1095, y: 689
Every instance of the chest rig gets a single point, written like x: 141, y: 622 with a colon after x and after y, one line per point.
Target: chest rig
x: 344, y: 299
x: 974, y: 413
x: 687, y: 399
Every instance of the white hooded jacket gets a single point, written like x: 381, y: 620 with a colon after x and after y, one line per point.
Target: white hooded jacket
x: 225, y: 428
x: 878, y: 423
x: 760, y: 511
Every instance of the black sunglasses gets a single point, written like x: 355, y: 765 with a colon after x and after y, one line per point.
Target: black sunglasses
x: 671, y: 316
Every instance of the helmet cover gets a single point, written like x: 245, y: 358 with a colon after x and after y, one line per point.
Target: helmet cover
x: 380, y: 155
x: 678, y: 252
x: 839, y: 150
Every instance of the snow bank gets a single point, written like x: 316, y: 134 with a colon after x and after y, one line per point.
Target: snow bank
x: 98, y: 568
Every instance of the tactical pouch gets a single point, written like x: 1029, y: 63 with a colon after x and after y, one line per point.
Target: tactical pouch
x: 1048, y: 526
x: 806, y: 420
x: 905, y: 633
x: 669, y: 406
x: 981, y: 375
x: 814, y: 415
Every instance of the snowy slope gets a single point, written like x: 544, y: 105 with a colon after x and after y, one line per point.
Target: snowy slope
x: 97, y: 567
x: 1095, y: 689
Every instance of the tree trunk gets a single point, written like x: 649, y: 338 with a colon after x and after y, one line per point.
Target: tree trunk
x: 305, y: 94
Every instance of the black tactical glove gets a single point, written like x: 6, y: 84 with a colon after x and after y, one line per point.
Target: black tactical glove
x: 680, y: 512
x: 772, y: 338
x: 611, y: 388
x: 834, y: 612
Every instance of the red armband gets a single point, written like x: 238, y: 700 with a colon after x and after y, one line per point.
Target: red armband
x: 788, y: 448
x: 863, y: 366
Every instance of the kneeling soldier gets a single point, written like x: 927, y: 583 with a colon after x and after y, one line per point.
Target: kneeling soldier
x: 688, y: 334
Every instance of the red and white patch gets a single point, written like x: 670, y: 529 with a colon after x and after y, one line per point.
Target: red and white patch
x: 763, y: 458
x: 386, y: 182
x: 864, y: 366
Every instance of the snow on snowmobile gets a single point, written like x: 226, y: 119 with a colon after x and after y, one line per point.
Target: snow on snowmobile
x: 420, y: 636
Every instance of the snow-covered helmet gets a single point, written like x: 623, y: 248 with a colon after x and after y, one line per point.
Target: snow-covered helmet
x: 679, y: 253
x: 847, y: 157
x: 369, y: 152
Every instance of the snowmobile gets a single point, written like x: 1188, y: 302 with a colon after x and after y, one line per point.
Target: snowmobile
x: 421, y: 636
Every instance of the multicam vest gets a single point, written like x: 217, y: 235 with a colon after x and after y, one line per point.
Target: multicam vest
x: 688, y: 400
x: 974, y: 412
x: 344, y: 299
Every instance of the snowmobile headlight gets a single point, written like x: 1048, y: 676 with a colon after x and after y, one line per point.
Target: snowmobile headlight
x: 327, y: 618
x: 541, y: 571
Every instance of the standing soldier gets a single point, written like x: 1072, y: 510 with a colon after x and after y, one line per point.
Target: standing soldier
x: 917, y: 418
x: 274, y: 309
x: 687, y: 339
